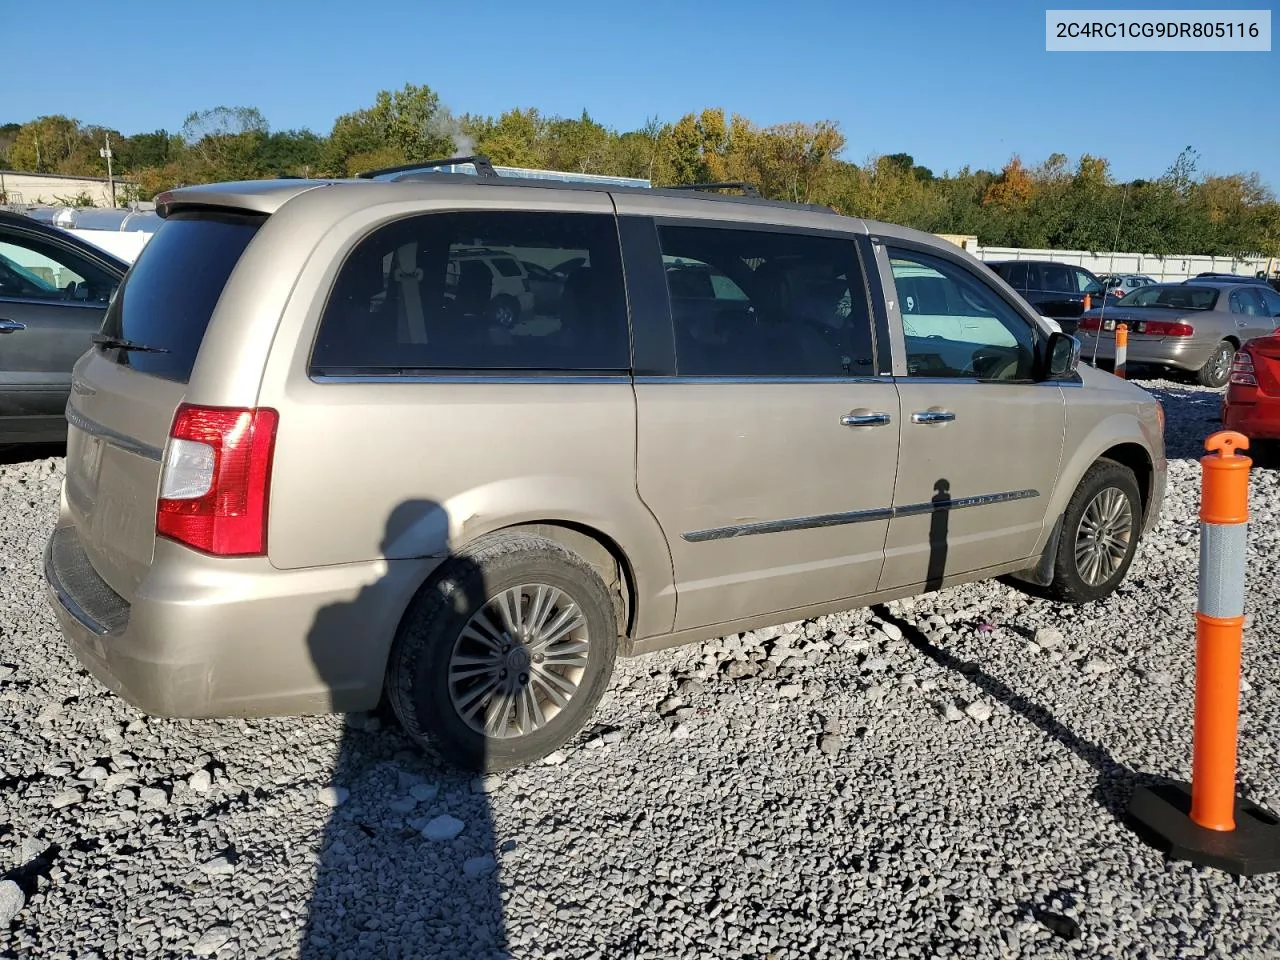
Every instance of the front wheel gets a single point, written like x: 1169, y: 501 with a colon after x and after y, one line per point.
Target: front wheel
x: 1217, y: 369
x: 1100, y: 532
x: 505, y: 655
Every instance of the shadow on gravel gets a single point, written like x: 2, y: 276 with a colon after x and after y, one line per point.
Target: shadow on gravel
x: 407, y: 862
x: 1115, y: 783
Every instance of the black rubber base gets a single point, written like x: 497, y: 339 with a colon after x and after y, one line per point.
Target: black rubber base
x: 1162, y: 815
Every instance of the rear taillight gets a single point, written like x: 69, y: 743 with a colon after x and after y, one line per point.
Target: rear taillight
x: 1242, y: 371
x: 215, y: 480
x: 1162, y: 328
x: 1089, y: 324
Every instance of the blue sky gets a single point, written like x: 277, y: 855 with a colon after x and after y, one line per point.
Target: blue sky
x: 950, y: 83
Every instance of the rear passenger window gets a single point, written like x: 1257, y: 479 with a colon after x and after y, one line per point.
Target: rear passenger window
x: 1015, y: 274
x: 450, y: 292
x: 766, y: 303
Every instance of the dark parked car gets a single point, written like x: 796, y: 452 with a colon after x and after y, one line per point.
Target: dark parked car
x: 1056, y: 290
x: 54, y: 289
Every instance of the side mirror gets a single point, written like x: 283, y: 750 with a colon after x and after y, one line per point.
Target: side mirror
x: 1064, y: 355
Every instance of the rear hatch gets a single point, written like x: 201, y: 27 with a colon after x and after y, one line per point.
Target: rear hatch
x: 124, y: 395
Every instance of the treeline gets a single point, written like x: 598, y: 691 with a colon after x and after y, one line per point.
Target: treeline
x: 1051, y: 204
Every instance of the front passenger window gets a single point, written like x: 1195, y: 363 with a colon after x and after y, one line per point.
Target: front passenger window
x: 955, y: 325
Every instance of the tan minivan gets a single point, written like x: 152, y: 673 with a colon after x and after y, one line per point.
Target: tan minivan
x: 309, y: 465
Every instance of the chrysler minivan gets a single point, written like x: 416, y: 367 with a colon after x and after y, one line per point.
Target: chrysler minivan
x: 300, y: 481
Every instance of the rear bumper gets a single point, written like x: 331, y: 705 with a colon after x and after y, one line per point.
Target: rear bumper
x: 211, y: 637
x: 1181, y: 354
x: 1258, y: 419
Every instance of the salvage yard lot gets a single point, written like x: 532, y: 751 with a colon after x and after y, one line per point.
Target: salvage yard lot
x: 943, y: 776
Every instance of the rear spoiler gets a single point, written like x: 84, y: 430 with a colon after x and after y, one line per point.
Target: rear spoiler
x: 263, y: 197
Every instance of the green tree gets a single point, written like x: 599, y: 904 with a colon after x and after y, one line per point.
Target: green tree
x: 401, y: 126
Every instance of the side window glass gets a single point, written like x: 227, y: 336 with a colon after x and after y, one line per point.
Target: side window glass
x: 480, y: 291
x: 764, y: 303
x: 1057, y: 278
x: 956, y: 325
x: 1017, y: 276
x: 1237, y: 302
x: 34, y: 270
x: 1085, y: 283
x: 1270, y: 300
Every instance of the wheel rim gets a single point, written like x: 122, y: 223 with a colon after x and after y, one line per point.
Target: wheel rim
x: 1102, y: 539
x: 518, y: 661
x: 1222, y: 365
x: 505, y: 315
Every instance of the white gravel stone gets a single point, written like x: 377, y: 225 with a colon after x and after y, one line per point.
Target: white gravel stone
x: 480, y: 866
x: 12, y: 900
x: 443, y: 828
x: 333, y: 796
x: 554, y: 758
x: 200, y: 782
x: 218, y: 867
x: 790, y: 691
x: 212, y: 940
x: 979, y: 710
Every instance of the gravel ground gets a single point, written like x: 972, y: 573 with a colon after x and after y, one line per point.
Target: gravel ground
x: 941, y: 777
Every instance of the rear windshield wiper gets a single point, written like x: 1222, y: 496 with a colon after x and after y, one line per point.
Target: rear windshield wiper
x: 116, y: 343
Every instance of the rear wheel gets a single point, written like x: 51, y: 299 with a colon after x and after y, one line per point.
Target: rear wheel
x: 1217, y: 369
x: 505, y: 311
x: 505, y: 655
x: 1100, y: 532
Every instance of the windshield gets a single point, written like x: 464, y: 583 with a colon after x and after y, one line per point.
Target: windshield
x: 1173, y: 296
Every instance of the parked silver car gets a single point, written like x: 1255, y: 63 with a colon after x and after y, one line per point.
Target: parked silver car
x: 1119, y: 284
x: 1191, y: 327
x: 298, y: 481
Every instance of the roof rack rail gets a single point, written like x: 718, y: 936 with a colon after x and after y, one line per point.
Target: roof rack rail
x: 483, y: 167
x: 748, y: 189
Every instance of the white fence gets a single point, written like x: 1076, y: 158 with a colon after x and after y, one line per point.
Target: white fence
x: 1173, y: 267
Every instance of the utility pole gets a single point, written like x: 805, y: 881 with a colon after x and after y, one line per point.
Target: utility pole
x: 105, y: 153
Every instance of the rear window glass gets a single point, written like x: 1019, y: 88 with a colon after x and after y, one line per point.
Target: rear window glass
x: 1175, y: 297
x: 168, y: 295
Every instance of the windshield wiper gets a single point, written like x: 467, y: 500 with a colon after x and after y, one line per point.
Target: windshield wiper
x: 116, y: 343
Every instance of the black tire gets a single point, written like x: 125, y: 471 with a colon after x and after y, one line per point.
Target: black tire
x: 1217, y: 369
x: 1069, y: 584
x: 417, y: 682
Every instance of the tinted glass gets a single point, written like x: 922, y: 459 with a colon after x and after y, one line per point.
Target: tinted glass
x: 1057, y: 278
x: 434, y: 292
x: 957, y: 326
x: 1173, y: 296
x: 764, y: 303
x: 35, y: 269
x: 1271, y: 300
x: 1015, y: 274
x: 506, y: 266
x: 168, y: 295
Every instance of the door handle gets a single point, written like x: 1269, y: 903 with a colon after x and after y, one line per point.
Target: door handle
x: 11, y: 326
x: 864, y: 418
x: 932, y: 416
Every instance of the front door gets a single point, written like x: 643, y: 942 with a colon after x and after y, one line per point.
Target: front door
x: 981, y: 442
x: 768, y: 452
x: 51, y: 303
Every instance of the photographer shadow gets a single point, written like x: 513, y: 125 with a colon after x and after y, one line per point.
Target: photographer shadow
x: 407, y: 862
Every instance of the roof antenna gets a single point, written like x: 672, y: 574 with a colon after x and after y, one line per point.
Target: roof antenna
x: 1102, y: 311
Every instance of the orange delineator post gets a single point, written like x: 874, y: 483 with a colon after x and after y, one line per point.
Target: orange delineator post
x: 1122, y: 348
x: 1224, y: 520
x: 1088, y: 302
